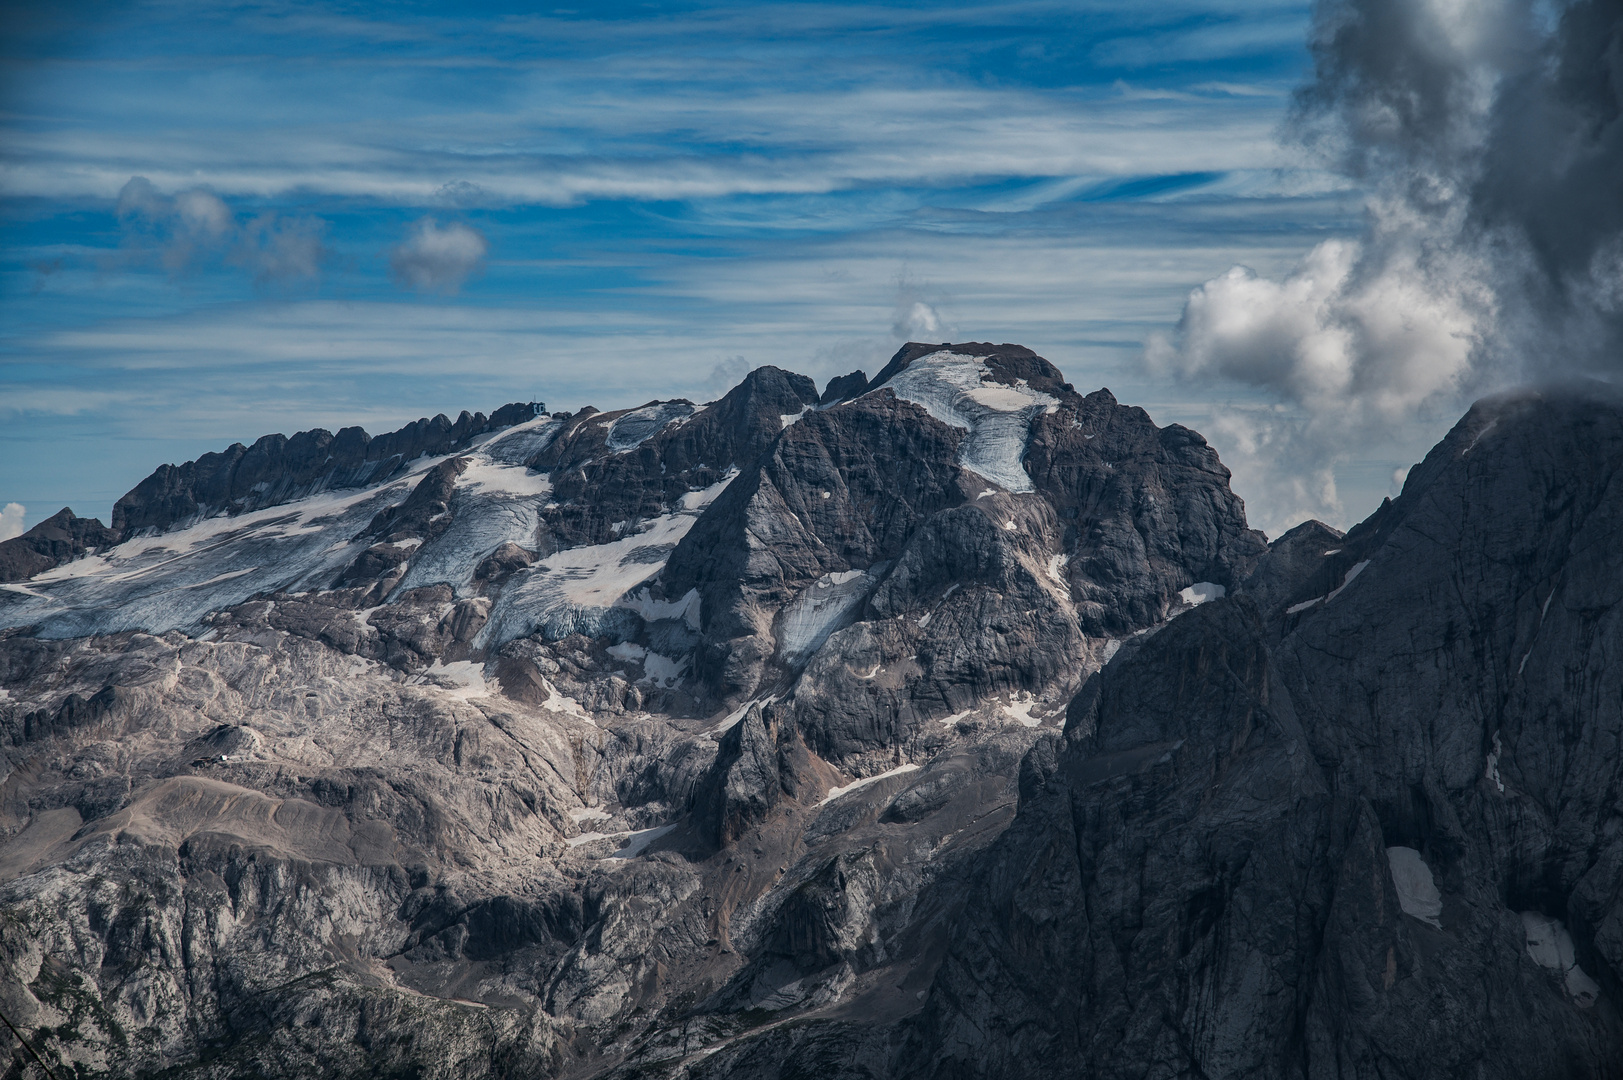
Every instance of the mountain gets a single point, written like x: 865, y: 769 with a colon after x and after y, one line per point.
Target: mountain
x: 952, y: 724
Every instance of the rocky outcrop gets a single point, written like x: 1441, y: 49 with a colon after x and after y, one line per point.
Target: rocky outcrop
x: 60, y: 538
x: 277, y: 469
x: 610, y: 471
x: 1285, y: 848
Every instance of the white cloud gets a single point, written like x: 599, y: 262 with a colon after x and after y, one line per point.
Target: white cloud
x: 12, y: 517
x: 438, y: 258
x: 194, y: 228
x: 916, y: 320
x: 1491, y: 254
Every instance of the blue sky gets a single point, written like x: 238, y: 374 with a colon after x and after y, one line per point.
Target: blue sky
x: 227, y: 220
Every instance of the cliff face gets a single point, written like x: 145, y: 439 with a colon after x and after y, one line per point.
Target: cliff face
x: 952, y: 724
x: 1369, y: 828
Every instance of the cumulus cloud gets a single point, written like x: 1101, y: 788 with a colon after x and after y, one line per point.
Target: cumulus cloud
x: 438, y: 258
x: 915, y: 318
x: 12, y: 518
x: 194, y: 228
x: 281, y: 249
x: 1489, y: 136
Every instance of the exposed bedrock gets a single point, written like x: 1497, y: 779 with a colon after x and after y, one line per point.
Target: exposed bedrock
x: 622, y: 467
x: 277, y: 469
x: 1353, y: 850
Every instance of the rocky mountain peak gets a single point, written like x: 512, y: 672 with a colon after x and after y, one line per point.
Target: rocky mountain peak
x: 949, y: 725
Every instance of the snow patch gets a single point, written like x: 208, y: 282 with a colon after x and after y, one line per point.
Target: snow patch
x: 500, y: 478
x: 585, y: 589
x: 952, y: 388
x: 1417, y: 892
x: 789, y: 418
x: 857, y: 785
x: 638, y: 842
x: 1020, y: 709
x: 627, y: 651
x: 466, y: 679
x: 686, y: 608
x: 1202, y: 591
x: 558, y: 701
x: 663, y: 671
x: 738, y: 714
x: 1549, y: 943
x: 1492, y: 770
x: 1357, y: 568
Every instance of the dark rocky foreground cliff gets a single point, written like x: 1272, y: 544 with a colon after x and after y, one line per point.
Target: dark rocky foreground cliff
x: 948, y: 725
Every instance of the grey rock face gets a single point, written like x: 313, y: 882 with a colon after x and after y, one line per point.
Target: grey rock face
x: 54, y: 541
x: 277, y: 469
x: 1212, y: 854
x: 887, y: 732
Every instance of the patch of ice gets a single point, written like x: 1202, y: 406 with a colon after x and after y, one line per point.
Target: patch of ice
x: 627, y: 651
x: 1492, y: 770
x: 951, y: 387
x: 738, y: 714
x: 638, y: 842
x: 636, y: 427
x: 521, y: 442
x: 857, y: 785
x: 694, y: 501
x: 1417, y: 892
x: 588, y: 813
x: 789, y: 418
x: 172, y: 581
x: 1112, y: 647
x: 1056, y: 567
x: 1333, y: 551
x: 951, y: 721
x: 1549, y: 943
x: 585, y: 589
x: 825, y: 606
x: 1202, y: 591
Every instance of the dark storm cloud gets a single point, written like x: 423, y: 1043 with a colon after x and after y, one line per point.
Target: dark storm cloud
x: 1504, y: 122
x: 1488, y: 136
